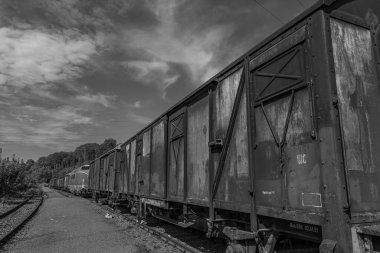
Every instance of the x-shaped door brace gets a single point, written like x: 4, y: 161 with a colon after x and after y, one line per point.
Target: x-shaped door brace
x: 176, y: 125
x: 297, y: 78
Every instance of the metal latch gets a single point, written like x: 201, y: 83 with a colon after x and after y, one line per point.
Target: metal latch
x: 216, y: 145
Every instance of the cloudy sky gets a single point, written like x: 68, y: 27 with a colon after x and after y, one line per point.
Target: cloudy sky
x: 78, y: 71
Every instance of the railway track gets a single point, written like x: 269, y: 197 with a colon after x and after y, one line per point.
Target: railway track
x: 13, y: 220
x: 186, y: 240
x: 13, y: 209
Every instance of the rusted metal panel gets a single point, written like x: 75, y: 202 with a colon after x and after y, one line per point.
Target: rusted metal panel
x: 284, y: 71
x: 286, y: 161
x: 279, y: 48
x: 157, y: 182
x: 106, y: 174
x: 358, y: 99
x: 233, y: 188
x: 132, y: 171
x: 198, y: 151
x: 102, y: 174
x: 286, y: 150
x: 127, y: 150
x: 267, y: 156
x: 90, y: 177
x: 119, y: 164
x: 301, y: 158
x: 97, y: 175
x: 224, y: 100
x: 225, y: 95
x: 111, y: 172
x: 176, y: 169
x: 145, y: 164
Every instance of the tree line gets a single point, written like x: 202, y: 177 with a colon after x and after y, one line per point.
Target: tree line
x: 16, y: 176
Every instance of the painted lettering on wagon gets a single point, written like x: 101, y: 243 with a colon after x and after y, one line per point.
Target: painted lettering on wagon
x: 301, y: 159
x: 308, y: 228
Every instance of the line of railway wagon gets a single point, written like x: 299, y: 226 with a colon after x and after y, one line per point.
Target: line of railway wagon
x: 279, y: 151
x: 75, y: 181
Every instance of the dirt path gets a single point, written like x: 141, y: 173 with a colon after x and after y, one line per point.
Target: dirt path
x: 75, y: 225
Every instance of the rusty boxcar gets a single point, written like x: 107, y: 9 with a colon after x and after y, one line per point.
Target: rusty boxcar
x: 77, y: 181
x: 102, y: 174
x: 279, y: 151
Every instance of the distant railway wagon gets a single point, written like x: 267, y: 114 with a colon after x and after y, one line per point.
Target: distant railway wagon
x: 53, y: 183
x: 60, y: 183
x: 66, y: 181
x: 279, y: 151
x: 77, y: 180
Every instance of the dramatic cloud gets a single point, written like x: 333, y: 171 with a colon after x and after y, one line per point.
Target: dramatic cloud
x: 29, y: 57
x: 40, y: 126
x: 168, y: 43
x: 37, y: 70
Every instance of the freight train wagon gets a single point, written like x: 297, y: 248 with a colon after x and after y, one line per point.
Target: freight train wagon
x: 77, y: 180
x: 102, y: 171
x: 53, y: 183
x: 280, y: 150
x: 57, y: 183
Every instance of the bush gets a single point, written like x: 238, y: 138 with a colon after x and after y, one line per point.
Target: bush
x: 14, y: 179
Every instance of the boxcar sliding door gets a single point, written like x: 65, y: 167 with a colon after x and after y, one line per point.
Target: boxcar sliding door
x: 286, y: 158
x: 231, y: 192
x: 176, y: 149
x: 157, y: 170
x: 198, y: 152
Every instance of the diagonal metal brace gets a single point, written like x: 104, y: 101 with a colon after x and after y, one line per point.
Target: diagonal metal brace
x: 230, y: 129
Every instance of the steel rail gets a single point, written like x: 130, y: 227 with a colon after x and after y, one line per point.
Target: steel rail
x: 5, y: 238
x: 13, y: 209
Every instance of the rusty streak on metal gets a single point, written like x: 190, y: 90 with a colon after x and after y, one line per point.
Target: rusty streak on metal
x: 228, y: 136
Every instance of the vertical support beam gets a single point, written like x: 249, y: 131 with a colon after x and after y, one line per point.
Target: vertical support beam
x: 114, y: 172
x: 185, y: 131
x: 129, y: 168
x: 150, y: 160
x: 166, y: 162
x: 210, y: 154
x: 250, y: 130
x: 333, y: 186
